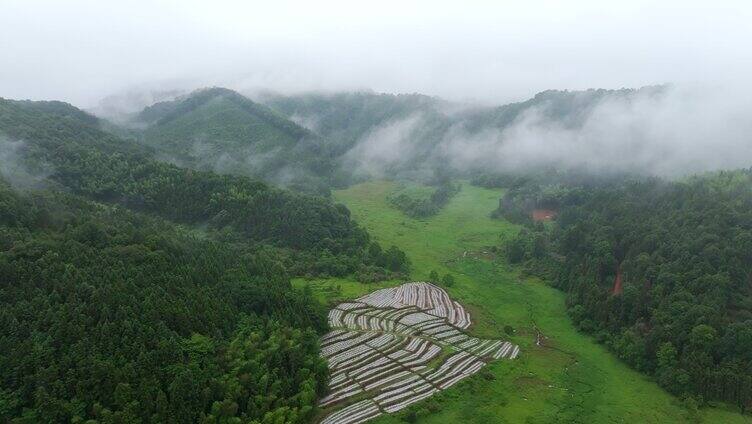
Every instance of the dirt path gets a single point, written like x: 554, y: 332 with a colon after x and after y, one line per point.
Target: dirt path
x: 617, y: 289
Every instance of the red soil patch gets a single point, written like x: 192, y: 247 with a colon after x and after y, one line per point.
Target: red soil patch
x: 543, y: 214
x: 617, y: 290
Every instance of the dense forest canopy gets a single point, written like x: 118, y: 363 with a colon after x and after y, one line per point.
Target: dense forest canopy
x: 118, y: 317
x: 219, y: 130
x: 134, y: 290
x: 90, y: 162
x: 659, y: 271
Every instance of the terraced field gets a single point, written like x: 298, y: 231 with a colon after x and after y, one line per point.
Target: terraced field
x: 397, y: 346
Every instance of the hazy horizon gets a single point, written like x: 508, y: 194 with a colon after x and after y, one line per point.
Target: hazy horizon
x: 115, y: 59
x: 486, y: 52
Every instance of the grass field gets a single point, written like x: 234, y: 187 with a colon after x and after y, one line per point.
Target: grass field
x: 414, y: 191
x: 568, y: 379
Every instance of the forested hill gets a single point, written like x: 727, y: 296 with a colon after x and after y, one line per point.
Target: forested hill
x: 116, y: 317
x: 87, y: 161
x: 219, y: 130
x: 133, y: 290
x: 313, y: 142
x: 373, y: 135
x: 344, y: 118
x: 661, y: 272
x: 563, y: 108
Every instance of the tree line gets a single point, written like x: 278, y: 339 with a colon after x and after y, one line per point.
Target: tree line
x: 417, y: 206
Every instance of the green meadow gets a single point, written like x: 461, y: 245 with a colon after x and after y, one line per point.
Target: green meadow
x: 566, y: 378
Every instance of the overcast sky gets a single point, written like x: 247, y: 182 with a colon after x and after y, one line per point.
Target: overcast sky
x: 495, y: 51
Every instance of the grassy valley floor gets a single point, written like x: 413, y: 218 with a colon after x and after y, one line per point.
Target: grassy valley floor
x: 568, y: 378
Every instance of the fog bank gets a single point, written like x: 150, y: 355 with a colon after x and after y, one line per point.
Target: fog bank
x: 671, y: 132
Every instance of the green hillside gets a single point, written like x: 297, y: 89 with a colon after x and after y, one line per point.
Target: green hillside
x: 135, y: 290
x: 111, y: 316
x: 343, y: 118
x: 220, y: 130
x: 358, y: 128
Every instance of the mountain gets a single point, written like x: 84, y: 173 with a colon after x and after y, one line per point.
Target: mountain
x: 415, y: 136
x: 81, y: 158
x: 218, y: 129
x: 313, y: 142
x: 564, y: 108
x: 343, y: 118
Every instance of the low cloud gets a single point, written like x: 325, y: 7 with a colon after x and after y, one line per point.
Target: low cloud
x: 669, y: 131
x: 384, y: 148
x: 674, y: 132
x: 16, y: 170
x: 123, y: 107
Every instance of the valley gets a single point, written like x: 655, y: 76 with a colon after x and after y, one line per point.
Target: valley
x: 561, y: 376
x: 341, y: 213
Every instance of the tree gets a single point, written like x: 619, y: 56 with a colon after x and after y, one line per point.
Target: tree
x: 516, y: 249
